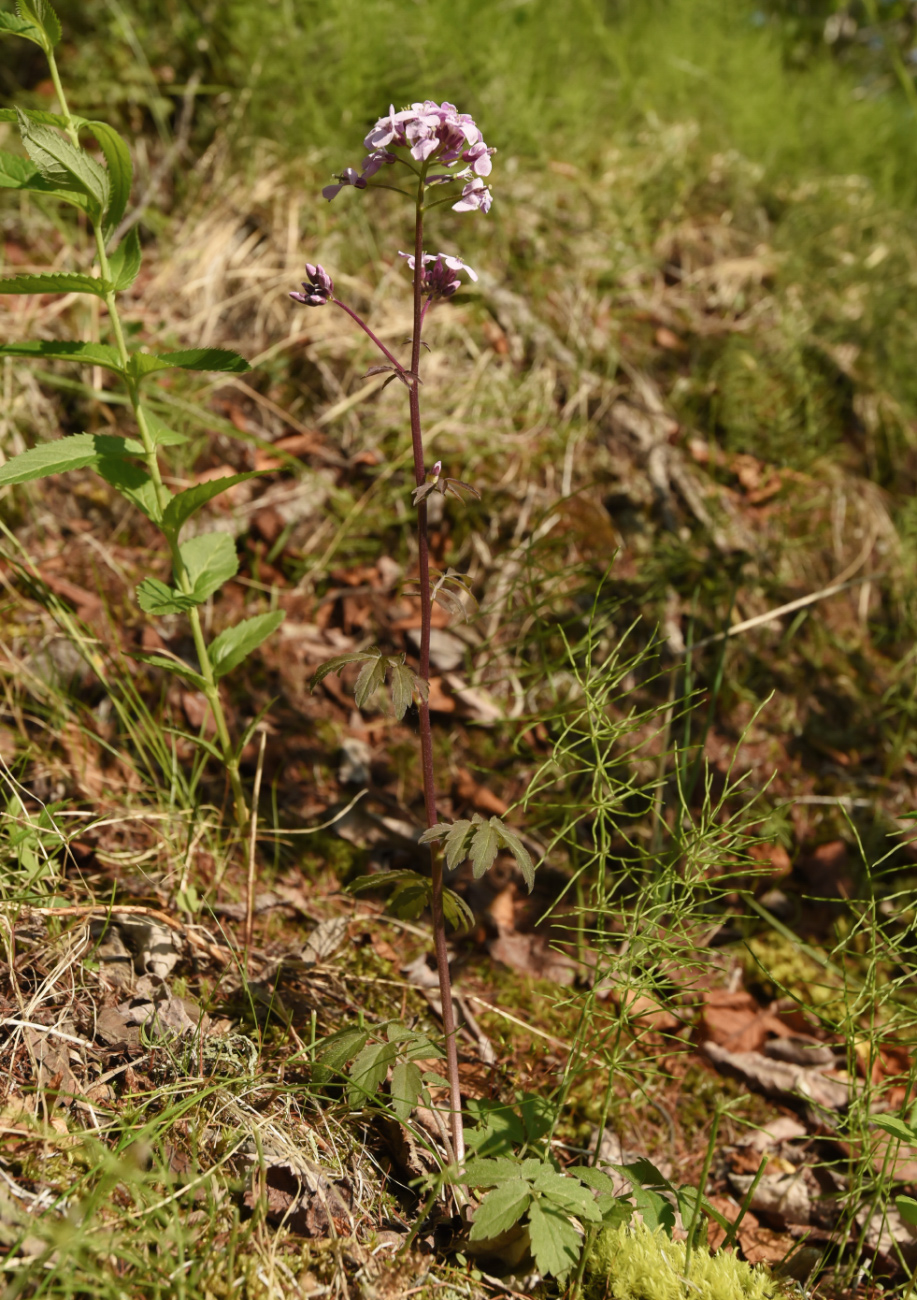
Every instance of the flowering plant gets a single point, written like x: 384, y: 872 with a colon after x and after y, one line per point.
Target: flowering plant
x: 419, y: 139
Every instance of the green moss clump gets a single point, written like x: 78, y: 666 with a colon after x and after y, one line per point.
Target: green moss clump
x: 633, y: 1263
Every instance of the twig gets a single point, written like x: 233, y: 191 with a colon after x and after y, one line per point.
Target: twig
x: 250, y: 896
x: 43, y: 1029
x: 772, y: 614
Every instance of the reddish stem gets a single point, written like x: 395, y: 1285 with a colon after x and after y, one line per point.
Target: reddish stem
x: 366, y: 330
x: 426, y: 732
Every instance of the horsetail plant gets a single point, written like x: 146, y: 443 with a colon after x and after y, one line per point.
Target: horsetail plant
x: 58, y: 166
x: 428, y: 149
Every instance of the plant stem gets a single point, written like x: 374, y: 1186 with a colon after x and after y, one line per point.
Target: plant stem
x: 426, y: 733
x: 211, y: 690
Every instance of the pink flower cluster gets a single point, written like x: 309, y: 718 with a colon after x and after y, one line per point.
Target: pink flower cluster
x: 430, y: 131
x: 439, y: 277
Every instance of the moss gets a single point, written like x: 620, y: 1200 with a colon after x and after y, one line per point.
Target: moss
x: 634, y: 1263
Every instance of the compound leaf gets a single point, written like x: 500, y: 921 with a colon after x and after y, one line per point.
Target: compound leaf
x: 124, y: 263
x: 74, y: 452
x: 406, y: 1088
x: 337, y: 663
x: 456, y: 911
x: 210, y: 560
x: 455, y: 842
x: 120, y: 171
x: 556, y: 1244
x: 381, y: 880
x: 235, y: 643
x: 569, y: 1195
x: 593, y: 1178
x: 485, y: 844
x: 436, y: 832
x: 402, y: 688
x: 40, y: 116
x: 500, y: 1209
x: 511, y: 841
x: 371, y: 677
x: 409, y: 899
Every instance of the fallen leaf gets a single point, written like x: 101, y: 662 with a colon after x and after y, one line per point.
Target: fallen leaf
x: 533, y: 955
x: 779, y: 1078
x: 736, y: 1021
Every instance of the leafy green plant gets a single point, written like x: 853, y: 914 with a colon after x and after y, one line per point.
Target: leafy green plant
x: 57, y: 165
x: 364, y: 1057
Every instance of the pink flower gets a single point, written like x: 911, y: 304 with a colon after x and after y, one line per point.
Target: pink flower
x: 439, y: 277
x: 475, y: 195
x: 318, y: 290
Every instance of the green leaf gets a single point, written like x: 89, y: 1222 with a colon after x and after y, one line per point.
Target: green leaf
x: 337, y: 663
x: 644, y: 1173
x: 90, y: 354
x: 176, y: 666
x: 500, y: 1209
x: 41, y: 117
x: 484, y: 846
x: 896, y: 1127
x: 155, y: 597
x: 371, y: 677
x: 491, y: 1173
x: 511, y: 841
x: 133, y: 483
x: 20, y: 27
x: 232, y: 645
x: 210, y: 560
x: 15, y: 171
x: 56, y: 282
x: 120, y: 171
x: 409, y: 900
x: 436, y: 832
x: 124, y: 263
x: 456, y: 911
x: 538, y: 1115
x: 402, y: 689
x: 160, y: 432
x: 498, y: 1128
x: 382, y: 880
x: 556, y: 1244
x: 42, y: 16
x: 368, y: 1072
x: 184, y: 505
x: 406, y: 1087
x: 75, y: 452
x: 593, y: 1178
x: 61, y: 163
x: 907, y: 1208
x: 145, y: 363
x: 615, y: 1212
x: 569, y: 1195
x: 336, y: 1051
x: 655, y: 1210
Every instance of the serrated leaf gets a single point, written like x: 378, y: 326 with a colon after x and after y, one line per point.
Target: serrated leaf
x: 370, y: 678
x: 907, y: 1208
x: 335, y: 1052
x: 124, y: 263
x: 593, y: 1178
x: 569, y: 1195
x: 120, y: 171
x: 15, y: 171
x: 381, y: 880
x: 436, y: 832
x: 235, y: 643
x: 337, y: 663
x: 155, y: 597
x: 485, y: 844
x: 402, y: 689
x: 410, y: 899
x: 510, y: 840
x: 556, y: 1244
x: 368, y: 1072
x: 185, y: 504
x: 896, y: 1127
x: 221, y: 359
x: 133, y: 483
x: 62, y: 163
x: 498, y: 1128
x: 456, y: 911
x: 406, y: 1087
x: 160, y: 432
x: 55, y: 282
x: 17, y: 26
x: 500, y: 1209
x: 615, y: 1212
x: 210, y: 560
x: 455, y: 842
x: 42, y: 16
x: 175, y: 666
x: 644, y: 1173
x: 75, y: 452
x: 90, y: 354
x: 40, y: 116
x: 490, y: 1173
x: 655, y: 1210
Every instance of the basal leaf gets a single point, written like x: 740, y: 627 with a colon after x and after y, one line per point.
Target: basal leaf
x: 16, y: 26
x: 337, y: 663
x: 456, y: 911
x: 155, y: 597
x: 124, y: 263
x: 567, y: 1194
x: 368, y: 1072
x: 497, y: 1129
x: 75, y: 452
x: 402, y: 689
x: 186, y: 503
x: 510, y: 840
x: 500, y: 1209
x: 90, y: 354
x: 55, y: 282
x: 132, y: 482
x: 593, y: 1178
x: 370, y: 678
x: 382, y: 880
x: 62, y: 163
x: 210, y: 560
x: 235, y: 643
x: 406, y: 1086
x: 907, y: 1208
x: 655, y: 1210
x: 40, y: 14
x: 556, y: 1244
x: 896, y: 1127
x: 145, y: 363
x: 538, y: 1115
x: 15, y: 171
x: 120, y: 171
x: 335, y: 1052
x: 484, y: 846
x: 490, y: 1173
